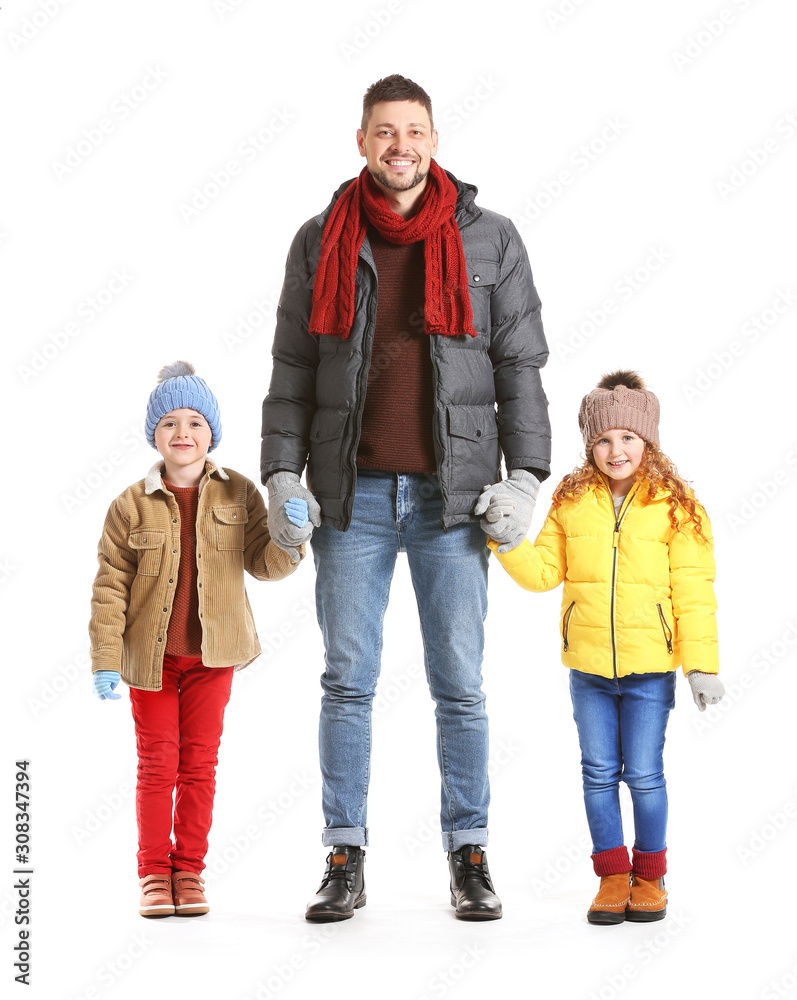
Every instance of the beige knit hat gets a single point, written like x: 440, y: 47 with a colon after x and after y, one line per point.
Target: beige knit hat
x: 620, y: 401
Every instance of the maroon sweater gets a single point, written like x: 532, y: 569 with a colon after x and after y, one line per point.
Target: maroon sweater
x: 185, y: 630
x: 399, y: 402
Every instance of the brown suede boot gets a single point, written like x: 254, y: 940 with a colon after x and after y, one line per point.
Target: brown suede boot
x: 648, y: 895
x: 608, y: 907
x: 614, y: 869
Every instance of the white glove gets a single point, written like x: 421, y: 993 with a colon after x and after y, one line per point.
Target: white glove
x: 506, y: 509
x: 707, y: 689
x: 283, y: 488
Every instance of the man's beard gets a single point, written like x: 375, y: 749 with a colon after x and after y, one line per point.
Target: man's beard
x: 409, y: 183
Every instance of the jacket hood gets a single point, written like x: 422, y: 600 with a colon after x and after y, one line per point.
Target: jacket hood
x: 466, y: 210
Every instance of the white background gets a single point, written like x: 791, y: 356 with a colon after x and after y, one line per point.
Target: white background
x: 674, y: 105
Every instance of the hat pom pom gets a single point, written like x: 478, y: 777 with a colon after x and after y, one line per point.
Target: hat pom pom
x: 174, y: 370
x: 624, y: 377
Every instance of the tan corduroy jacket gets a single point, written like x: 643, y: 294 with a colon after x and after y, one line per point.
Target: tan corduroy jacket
x: 139, y: 554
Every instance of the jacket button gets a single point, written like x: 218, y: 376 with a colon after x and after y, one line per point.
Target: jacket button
x: 174, y: 520
x: 171, y: 581
x: 159, y: 639
x: 174, y: 552
x: 235, y: 515
x: 144, y: 539
x: 165, y: 609
x: 478, y: 434
x: 199, y: 584
x: 476, y: 277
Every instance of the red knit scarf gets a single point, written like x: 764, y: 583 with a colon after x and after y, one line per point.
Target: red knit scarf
x: 447, y: 309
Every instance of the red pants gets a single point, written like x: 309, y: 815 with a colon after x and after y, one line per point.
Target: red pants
x: 178, y: 731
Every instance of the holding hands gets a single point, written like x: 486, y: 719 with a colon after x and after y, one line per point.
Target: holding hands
x: 293, y: 512
x: 506, y: 509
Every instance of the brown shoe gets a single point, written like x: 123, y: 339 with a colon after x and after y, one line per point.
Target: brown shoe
x: 609, y: 906
x: 189, y: 899
x: 156, y: 896
x: 648, y: 899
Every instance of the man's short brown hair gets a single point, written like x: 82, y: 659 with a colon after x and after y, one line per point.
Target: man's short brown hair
x: 394, y: 88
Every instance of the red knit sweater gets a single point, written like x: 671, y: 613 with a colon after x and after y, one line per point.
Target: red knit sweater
x: 184, y: 637
x: 396, y: 431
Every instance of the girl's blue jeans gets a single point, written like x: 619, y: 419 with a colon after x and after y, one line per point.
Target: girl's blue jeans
x: 621, y: 724
x: 402, y: 513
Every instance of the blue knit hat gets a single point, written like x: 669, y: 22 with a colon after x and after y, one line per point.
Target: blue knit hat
x: 178, y: 387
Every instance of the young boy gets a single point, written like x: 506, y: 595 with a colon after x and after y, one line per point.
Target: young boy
x: 170, y: 617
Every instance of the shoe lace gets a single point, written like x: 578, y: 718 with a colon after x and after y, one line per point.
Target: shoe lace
x: 336, y: 872
x: 473, y: 871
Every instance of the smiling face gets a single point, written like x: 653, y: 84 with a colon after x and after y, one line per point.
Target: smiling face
x: 183, y: 437
x: 617, y: 454
x: 398, y: 145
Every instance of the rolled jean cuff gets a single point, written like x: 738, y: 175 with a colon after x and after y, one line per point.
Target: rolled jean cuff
x: 345, y: 836
x: 454, y: 839
x: 650, y: 864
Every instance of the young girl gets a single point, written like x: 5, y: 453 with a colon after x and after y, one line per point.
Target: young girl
x: 634, y: 550
x: 170, y: 616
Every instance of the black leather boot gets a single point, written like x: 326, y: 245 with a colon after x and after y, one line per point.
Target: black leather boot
x: 472, y: 890
x: 342, y: 888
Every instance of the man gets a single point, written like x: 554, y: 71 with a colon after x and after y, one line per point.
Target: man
x: 390, y: 400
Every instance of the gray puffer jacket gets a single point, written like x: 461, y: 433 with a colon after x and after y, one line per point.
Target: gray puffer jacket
x: 487, y: 389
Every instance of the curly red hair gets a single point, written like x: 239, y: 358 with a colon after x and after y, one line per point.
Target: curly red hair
x: 657, y: 470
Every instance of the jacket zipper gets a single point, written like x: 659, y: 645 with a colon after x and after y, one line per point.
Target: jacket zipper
x: 566, y: 624
x: 665, y: 629
x: 618, y: 518
x: 362, y: 377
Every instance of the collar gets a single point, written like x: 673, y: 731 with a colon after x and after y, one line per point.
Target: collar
x: 154, y: 481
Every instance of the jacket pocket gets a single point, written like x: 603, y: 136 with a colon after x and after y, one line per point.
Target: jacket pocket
x: 474, y: 457
x: 566, y: 625
x: 665, y: 628
x: 149, y: 547
x: 230, y: 527
x: 327, y: 440
x: 482, y: 276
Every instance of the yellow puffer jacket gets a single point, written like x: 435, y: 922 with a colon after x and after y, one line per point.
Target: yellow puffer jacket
x: 638, y: 595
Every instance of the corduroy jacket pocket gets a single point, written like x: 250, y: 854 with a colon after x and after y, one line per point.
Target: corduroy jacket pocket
x: 149, y: 546
x: 230, y: 527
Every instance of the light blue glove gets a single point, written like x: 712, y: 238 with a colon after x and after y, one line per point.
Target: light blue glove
x: 104, y: 682
x: 707, y: 689
x: 297, y: 510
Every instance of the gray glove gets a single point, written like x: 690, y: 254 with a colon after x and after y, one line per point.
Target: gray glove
x: 507, y: 507
x: 707, y: 689
x: 282, y: 488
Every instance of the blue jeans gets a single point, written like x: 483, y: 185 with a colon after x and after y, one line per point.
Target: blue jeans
x: 402, y: 513
x: 621, y: 723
